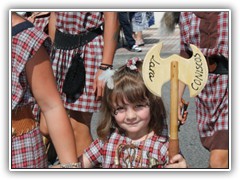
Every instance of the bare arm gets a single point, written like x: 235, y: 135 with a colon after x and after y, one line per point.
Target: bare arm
x: 52, y: 26
x: 181, y: 89
x: 111, y: 31
x: 43, y: 86
x: 86, y: 162
x: 83, y: 160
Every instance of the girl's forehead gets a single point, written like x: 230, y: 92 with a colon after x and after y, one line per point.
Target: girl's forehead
x: 121, y: 101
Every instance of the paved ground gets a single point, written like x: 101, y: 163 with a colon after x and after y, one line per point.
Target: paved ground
x: 195, y: 154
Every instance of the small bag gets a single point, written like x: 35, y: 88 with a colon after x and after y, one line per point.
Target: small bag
x: 74, y: 83
x: 218, y: 64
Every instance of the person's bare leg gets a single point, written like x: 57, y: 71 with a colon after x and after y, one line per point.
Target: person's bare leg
x: 81, y: 125
x: 139, y: 38
x: 81, y: 128
x: 218, y: 159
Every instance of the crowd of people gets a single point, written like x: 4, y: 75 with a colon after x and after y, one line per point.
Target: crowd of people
x: 72, y: 54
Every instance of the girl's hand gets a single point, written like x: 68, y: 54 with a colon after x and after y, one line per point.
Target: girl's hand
x: 177, y: 161
x: 182, y: 112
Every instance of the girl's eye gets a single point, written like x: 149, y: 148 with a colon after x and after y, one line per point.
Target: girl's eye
x: 140, y: 106
x: 118, y: 110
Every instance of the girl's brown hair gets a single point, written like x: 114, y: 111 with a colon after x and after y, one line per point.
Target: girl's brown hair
x: 129, y: 85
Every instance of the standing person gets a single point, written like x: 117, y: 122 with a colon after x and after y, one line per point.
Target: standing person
x: 128, y: 32
x: 209, y: 31
x: 81, y: 52
x: 31, y: 68
x: 133, y: 130
x: 140, y: 22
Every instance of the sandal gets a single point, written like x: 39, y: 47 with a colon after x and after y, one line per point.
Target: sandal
x: 140, y: 43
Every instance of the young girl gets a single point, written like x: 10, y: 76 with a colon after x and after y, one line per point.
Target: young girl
x: 133, y: 130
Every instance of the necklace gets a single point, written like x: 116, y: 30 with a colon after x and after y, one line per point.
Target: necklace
x: 139, y: 157
x: 128, y: 160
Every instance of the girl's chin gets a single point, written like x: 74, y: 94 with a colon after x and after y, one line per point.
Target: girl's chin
x: 135, y: 134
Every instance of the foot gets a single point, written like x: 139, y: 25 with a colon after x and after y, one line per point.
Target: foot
x: 140, y: 43
x: 136, y: 48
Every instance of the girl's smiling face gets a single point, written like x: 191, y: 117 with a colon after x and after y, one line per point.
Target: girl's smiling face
x: 133, y: 118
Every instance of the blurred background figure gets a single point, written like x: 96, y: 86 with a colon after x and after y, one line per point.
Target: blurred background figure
x: 141, y: 21
x: 126, y: 26
x: 169, y: 22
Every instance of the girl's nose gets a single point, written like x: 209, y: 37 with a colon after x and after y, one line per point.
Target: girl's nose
x: 131, y: 113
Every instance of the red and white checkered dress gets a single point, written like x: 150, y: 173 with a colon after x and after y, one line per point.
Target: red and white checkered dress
x: 104, y: 153
x: 42, y: 21
x: 77, y: 23
x: 28, y: 150
x: 212, y: 102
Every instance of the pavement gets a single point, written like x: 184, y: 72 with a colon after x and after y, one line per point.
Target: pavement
x: 151, y: 36
x: 195, y: 155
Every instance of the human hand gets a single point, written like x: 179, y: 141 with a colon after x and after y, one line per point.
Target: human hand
x: 55, y: 166
x: 177, y: 161
x: 98, y: 85
x: 182, y: 112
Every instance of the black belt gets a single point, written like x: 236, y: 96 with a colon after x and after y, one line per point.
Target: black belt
x: 69, y: 41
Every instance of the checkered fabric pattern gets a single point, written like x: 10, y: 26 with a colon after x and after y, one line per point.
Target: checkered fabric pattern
x: 212, y: 106
x: 190, y: 33
x: 24, y: 46
x: 212, y: 102
x: 77, y: 23
x: 28, y: 150
x: 104, y: 152
x: 41, y: 22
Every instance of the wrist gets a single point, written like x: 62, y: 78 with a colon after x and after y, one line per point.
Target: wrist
x: 105, y: 66
x: 71, y: 165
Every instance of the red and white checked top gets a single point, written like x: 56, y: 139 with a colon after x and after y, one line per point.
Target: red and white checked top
x: 28, y: 150
x: 103, y: 153
x: 42, y: 22
x: 24, y: 47
x: 77, y: 23
x: 190, y: 33
x: 212, y: 102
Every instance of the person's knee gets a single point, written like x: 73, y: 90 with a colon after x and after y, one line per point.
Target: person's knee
x: 80, y: 119
x: 218, y: 159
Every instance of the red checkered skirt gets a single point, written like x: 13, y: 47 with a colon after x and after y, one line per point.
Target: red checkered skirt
x: 212, y: 106
x: 28, y: 151
x: 92, y: 55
